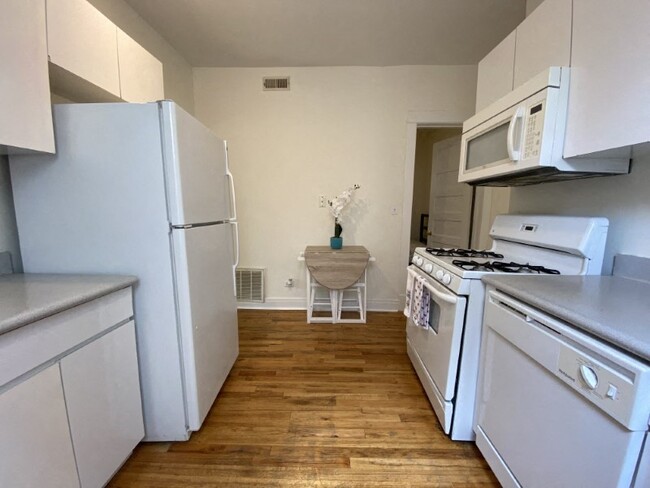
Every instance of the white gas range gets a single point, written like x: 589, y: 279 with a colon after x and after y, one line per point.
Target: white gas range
x: 445, y: 299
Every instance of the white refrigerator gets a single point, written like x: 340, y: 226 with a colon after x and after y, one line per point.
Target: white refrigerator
x: 144, y: 189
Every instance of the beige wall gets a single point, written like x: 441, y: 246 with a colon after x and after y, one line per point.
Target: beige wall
x: 176, y: 71
x: 624, y: 200
x: 336, y: 127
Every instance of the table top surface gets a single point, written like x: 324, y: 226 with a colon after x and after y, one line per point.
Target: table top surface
x: 336, y: 269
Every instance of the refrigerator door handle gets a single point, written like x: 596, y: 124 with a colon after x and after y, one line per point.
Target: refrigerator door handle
x: 236, y: 263
x: 233, y: 199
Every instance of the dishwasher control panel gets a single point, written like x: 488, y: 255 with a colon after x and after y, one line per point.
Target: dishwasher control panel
x: 610, y: 387
x: 615, y: 382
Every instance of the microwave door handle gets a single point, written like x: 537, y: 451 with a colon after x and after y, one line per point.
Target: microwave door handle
x: 515, y: 154
x: 443, y: 296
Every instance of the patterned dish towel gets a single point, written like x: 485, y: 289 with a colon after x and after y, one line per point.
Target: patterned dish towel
x: 420, y: 303
x: 410, y: 279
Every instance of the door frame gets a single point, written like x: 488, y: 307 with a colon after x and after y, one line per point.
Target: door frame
x: 415, y: 120
x: 487, y: 201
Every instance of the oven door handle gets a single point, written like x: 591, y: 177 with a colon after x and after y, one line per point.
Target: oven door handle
x: 443, y: 296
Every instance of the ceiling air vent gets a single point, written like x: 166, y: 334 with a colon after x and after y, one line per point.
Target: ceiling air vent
x: 281, y: 83
x: 250, y: 284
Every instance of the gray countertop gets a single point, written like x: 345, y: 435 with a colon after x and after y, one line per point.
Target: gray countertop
x: 612, y: 308
x: 26, y: 298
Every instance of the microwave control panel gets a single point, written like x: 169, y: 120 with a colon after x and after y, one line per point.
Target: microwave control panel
x: 533, y: 131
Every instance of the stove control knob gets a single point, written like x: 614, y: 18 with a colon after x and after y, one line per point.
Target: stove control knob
x: 418, y: 260
x: 589, y: 376
x: 428, y: 267
x: 446, y: 279
x: 439, y: 275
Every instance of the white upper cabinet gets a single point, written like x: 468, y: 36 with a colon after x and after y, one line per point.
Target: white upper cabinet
x: 495, y: 73
x: 25, y: 111
x: 141, y: 74
x: 543, y: 40
x: 92, y: 60
x: 83, y: 42
x: 609, y: 102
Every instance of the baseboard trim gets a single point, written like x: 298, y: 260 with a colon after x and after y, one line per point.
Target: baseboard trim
x: 282, y: 303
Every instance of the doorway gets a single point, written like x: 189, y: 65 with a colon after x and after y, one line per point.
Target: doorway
x: 441, y: 212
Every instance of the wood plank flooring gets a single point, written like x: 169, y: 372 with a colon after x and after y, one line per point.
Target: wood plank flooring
x: 314, y: 405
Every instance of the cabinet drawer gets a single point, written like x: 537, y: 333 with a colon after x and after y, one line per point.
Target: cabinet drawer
x: 23, y: 349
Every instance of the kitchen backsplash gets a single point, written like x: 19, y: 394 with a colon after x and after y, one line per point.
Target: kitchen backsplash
x: 622, y: 199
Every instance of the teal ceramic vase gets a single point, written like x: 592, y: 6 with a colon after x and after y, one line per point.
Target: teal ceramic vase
x: 336, y: 242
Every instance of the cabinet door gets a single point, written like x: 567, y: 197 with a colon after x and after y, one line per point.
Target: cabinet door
x: 83, y: 42
x: 35, y: 445
x: 543, y: 40
x: 25, y: 111
x: 141, y: 74
x: 495, y: 73
x: 610, y: 76
x: 102, y: 392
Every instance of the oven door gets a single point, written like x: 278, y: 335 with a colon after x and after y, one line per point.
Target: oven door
x: 438, y: 345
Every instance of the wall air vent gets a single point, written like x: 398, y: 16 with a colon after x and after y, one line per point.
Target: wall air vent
x: 250, y: 284
x: 276, y: 83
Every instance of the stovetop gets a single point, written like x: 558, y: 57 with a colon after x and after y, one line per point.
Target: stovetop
x: 458, y: 268
x: 481, y: 261
x: 463, y: 253
x: 502, y: 267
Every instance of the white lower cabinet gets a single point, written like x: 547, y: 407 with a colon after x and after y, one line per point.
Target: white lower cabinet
x: 35, y: 444
x: 70, y: 404
x: 102, y: 393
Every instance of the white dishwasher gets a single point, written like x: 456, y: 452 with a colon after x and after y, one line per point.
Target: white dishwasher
x: 556, y: 407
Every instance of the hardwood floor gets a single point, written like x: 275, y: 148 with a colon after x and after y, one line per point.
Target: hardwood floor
x: 315, y: 405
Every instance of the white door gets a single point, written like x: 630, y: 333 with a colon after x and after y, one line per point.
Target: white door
x: 450, y: 202
x: 198, y: 181
x: 203, y: 259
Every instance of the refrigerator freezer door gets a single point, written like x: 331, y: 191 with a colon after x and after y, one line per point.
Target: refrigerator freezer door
x: 198, y: 187
x: 208, y: 313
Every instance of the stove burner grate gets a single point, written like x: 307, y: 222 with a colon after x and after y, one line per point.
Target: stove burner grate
x: 511, y: 267
x: 463, y: 253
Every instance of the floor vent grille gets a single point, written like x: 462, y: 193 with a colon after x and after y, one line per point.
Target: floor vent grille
x: 281, y: 83
x: 250, y: 284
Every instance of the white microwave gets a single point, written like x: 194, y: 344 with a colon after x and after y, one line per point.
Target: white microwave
x: 519, y: 139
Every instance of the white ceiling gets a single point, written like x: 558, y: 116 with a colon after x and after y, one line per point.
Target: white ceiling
x: 264, y: 33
